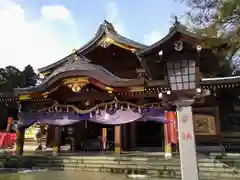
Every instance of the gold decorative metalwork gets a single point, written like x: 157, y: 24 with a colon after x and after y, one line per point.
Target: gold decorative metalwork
x: 106, y: 42
x: 74, y: 51
x: 110, y: 90
x: 24, y: 97
x: 76, y: 84
x: 137, y: 89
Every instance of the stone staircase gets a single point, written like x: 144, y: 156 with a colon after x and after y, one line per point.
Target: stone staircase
x: 153, y: 166
x: 230, y: 159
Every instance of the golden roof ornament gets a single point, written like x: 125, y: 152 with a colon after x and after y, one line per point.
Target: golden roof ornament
x: 74, y: 51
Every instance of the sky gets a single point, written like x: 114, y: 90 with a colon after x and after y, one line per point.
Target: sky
x: 40, y: 32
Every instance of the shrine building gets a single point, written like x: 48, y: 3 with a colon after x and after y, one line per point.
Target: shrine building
x: 114, y: 87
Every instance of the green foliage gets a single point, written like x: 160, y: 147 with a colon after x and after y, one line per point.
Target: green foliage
x: 219, y: 22
x: 10, y: 78
x: 29, y: 77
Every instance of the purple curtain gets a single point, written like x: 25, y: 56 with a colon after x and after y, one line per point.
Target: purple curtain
x: 107, y: 117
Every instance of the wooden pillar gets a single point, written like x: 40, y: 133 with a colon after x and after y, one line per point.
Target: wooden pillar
x: 104, y: 139
x: 50, y: 136
x: 133, y: 135
x: 124, y: 136
x: 117, y: 138
x: 57, y: 140
x: 217, y: 121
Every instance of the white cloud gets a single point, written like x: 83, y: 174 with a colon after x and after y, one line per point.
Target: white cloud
x: 56, y: 12
x: 40, y: 42
x: 152, y: 37
x: 113, y: 16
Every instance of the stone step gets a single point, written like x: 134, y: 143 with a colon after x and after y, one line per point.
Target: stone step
x: 136, y: 162
x: 123, y: 162
x: 143, y: 170
x: 151, y: 166
x: 147, y: 167
x: 115, y: 158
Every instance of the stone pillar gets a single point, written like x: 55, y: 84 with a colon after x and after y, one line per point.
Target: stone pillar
x: 57, y: 140
x: 133, y: 135
x: 117, y: 138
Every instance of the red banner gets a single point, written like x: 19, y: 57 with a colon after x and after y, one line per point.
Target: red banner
x: 172, y: 126
x: 7, y: 139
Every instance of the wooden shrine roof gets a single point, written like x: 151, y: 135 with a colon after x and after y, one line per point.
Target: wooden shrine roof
x: 82, y: 67
x: 106, y: 30
x: 177, y: 28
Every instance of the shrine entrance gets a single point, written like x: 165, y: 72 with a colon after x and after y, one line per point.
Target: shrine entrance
x: 85, y: 135
x: 149, y: 134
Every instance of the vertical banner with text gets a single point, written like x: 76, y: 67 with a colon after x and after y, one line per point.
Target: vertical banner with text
x: 167, y: 143
x: 172, y: 126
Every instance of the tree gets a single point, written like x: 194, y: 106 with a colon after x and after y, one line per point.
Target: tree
x: 223, y: 13
x: 29, y: 76
x: 219, y: 23
x: 10, y: 78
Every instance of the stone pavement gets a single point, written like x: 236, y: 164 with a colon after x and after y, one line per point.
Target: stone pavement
x: 62, y: 175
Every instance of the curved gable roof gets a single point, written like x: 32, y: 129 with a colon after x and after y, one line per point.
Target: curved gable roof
x: 81, y: 67
x: 105, y: 29
x: 177, y: 28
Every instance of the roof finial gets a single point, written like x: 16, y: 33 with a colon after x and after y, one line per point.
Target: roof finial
x: 74, y: 51
x: 176, y: 21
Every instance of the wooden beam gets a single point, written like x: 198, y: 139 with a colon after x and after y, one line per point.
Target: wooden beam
x: 89, y: 96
